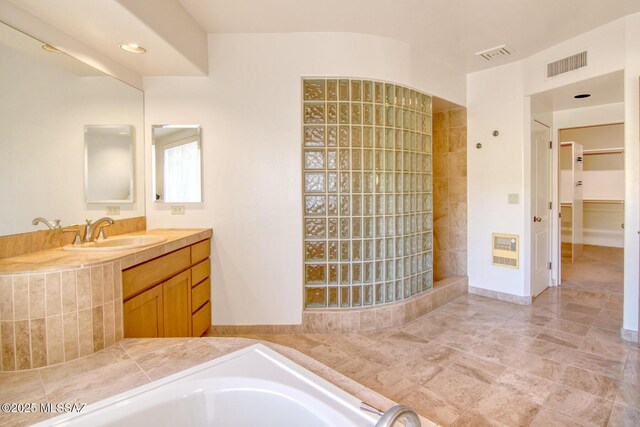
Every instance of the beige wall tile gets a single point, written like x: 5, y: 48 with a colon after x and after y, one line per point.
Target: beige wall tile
x: 332, y: 323
x: 69, y: 298
x: 458, y: 240
x: 70, y: 328
x: 98, y: 328
x: 85, y: 333
x: 107, y: 282
x: 21, y: 297
x: 440, y: 120
x: 367, y: 320
x: 441, y: 238
x: 440, y: 141
x: 458, y: 140
x: 36, y: 296
x: 118, y: 326
x: 6, y: 298
x: 458, y: 263
x: 55, y: 344
x: 83, y: 288
x: 441, y: 165
x: 458, y: 117
x: 23, y: 345
x: 7, y: 346
x: 38, y: 343
x: 458, y: 215
x: 117, y: 280
x: 312, y: 323
x: 440, y: 189
x: 54, y: 296
x: 109, y: 324
x: 457, y: 190
x: 457, y: 165
x: 97, y: 291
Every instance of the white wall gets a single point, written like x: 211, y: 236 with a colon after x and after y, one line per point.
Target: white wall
x: 250, y: 111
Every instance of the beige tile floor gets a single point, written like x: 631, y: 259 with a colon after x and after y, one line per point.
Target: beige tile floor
x: 478, y: 361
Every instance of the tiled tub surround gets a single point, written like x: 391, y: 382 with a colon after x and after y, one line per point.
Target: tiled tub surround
x: 367, y: 193
x: 56, y: 306
x: 450, y: 193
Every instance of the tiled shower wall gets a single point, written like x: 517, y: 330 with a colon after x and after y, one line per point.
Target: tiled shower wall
x: 367, y: 193
x: 450, y: 192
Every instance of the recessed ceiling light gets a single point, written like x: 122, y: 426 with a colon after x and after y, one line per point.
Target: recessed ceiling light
x: 132, y: 47
x: 582, y: 95
x: 51, y: 49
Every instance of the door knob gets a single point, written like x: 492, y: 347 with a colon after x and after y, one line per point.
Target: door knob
x: 537, y: 219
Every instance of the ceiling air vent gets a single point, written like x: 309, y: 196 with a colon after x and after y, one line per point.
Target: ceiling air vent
x: 496, y: 52
x: 567, y: 64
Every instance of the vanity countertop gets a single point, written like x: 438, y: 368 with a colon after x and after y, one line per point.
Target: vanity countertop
x: 59, y: 259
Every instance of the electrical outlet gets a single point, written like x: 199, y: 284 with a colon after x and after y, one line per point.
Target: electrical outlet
x: 113, y: 210
x: 177, y: 210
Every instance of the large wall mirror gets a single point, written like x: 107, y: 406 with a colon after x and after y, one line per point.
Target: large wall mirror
x: 177, y: 164
x: 46, y: 100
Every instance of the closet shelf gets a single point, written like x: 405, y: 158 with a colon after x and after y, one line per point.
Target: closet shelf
x: 604, y: 201
x: 598, y: 151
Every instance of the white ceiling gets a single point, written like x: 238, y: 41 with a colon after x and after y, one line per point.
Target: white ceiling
x: 451, y: 31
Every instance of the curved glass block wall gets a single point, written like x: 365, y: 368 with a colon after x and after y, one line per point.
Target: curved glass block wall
x: 367, y: 192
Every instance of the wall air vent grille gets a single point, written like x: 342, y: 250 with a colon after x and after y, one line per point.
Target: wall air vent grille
x: 505, y: 250
x: 496, y: 52
x: 564, y: 65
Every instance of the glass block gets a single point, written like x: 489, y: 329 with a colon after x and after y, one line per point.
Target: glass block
x: 379, y: 182
x: 367, y: 227
x: 367, y: 114
x: 413, y: 126
x: 356, y: 202
x: 367, y: 295
x: 356, y: 114
x: 388, y: 116
x: 379, y: 92
x: 428, y: 222
x: 414, y: 287
x: 406, y: 182
x: 427, y: 124
x: 314, y: 159
x: 414, y: 99
x: 379, y: 275
x: 388, y: 183
x: 367, y: 161
x: 380, y: 249
x: 313, y: 112
x: 399, y: 248
x: 398, y: 167
x: 356, y: 227
x: 427, y: 241
x: 315, y: 251
x: 406, y: 119
x: 345, y: 228
x: 398, y: 117
x: 379, y: 115
x: 343, y: 90
x: 427, y: 281
x: 399, y: 204
x: 390, y: 226
x: 356, y: 136
x: 389, y: 291
x: 315, y: 228
x: 345, y: 205
x: 356, y: 296
x: 367, y: 91
x: 367, y: 137
x: 356, y: 177
x: 333, y: 273
x: 414, y: 264
x: 426, y: 183
x: 314, y: 90
x: 413, y: 228
x: 345, y: 251
x: 333, y: 297
x: 428, y: 260
x: 379, y: 137
x: 367, y: 250
x: 399, y: 294
x: 345, y: 294
x: 332, y: 136
x: 343, y: 161
x: 332, y: 182
x: 379, y: 287
x: 344, y: 274
x: 367, y: 178
x: 398, y: 229
x: 389, y: 160
x: 407, y: 266
x: 344, y: 182
x: 333, y: 251
x: 398, y: 141
x: 315, y: 298
x: 406, y: 241
x: 332, y: 90
x: 332, y: 228
x: 356, y: 250
x: 314, y: 136
x: 419, y: 264
x: 407, y: 288
x: 367, y: 202
x: 332, y: 113
x: 427, y: 202
x: 356, y: 273
x: 344, y: 136
x: 380, y: 231
x: 398, y: 96
x: 314, y: 182
x: 426, y: 143
x: 315, y: 205
x: 388, y: 94
x: 332, y: 159
x: 406, y: 204
x: 389, y: 138
x: 426, y: 162
x: 315, y: 273
x: 389, y: 269
x: 344, y: 113
x: 356, y: 159
x: 356, y: 90
x: 332, y: 205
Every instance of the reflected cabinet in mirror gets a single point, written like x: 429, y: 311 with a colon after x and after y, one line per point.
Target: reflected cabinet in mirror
x: 108, y: 163
x: 46, y: 99
x: 177, y: 164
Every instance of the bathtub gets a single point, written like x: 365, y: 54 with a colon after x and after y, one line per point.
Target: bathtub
x: 254, y: 386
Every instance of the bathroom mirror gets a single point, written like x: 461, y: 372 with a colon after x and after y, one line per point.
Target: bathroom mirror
x: 46, y: 99
x: 108, y: 160
x: 177, y: 163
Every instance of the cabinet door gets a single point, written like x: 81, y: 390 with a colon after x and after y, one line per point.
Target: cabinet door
x: 177, y: 305
x: 143, y: 315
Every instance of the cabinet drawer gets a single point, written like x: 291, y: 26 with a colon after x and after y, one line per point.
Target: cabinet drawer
x: 201, y: 320
x: 200, y: 294
x: 200, y: 271
x: 200, y: 251
x: 140, y: 277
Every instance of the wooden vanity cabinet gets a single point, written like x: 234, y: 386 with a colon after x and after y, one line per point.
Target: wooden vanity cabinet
x: 163, y: 296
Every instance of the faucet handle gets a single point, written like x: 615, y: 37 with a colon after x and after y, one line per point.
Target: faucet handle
x: 77, y: 239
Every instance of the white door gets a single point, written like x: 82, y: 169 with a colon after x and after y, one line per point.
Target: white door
x: 541, y: 196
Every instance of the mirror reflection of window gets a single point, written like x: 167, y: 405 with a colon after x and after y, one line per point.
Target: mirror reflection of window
x: 177, y: 164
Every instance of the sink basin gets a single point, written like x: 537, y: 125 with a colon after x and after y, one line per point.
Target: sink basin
x: 116, y: 244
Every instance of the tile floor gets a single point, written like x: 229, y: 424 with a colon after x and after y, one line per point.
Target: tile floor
x: 477, y: 361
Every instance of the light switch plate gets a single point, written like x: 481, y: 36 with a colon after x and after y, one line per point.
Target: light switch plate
x: 177, y: 210
x: 113, y: 210
x: 514, y: 198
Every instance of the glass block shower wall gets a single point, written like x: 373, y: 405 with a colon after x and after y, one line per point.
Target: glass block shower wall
x: 367, y: 192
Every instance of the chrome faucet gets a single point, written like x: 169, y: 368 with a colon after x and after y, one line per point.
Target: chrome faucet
x: 398, y: 412
x: 94, y: 230
x: 52, y: 224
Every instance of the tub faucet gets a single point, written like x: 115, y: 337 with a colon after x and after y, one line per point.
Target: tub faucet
x: 399, y: 412
x: 94, y: 230
x: 52, y: 224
